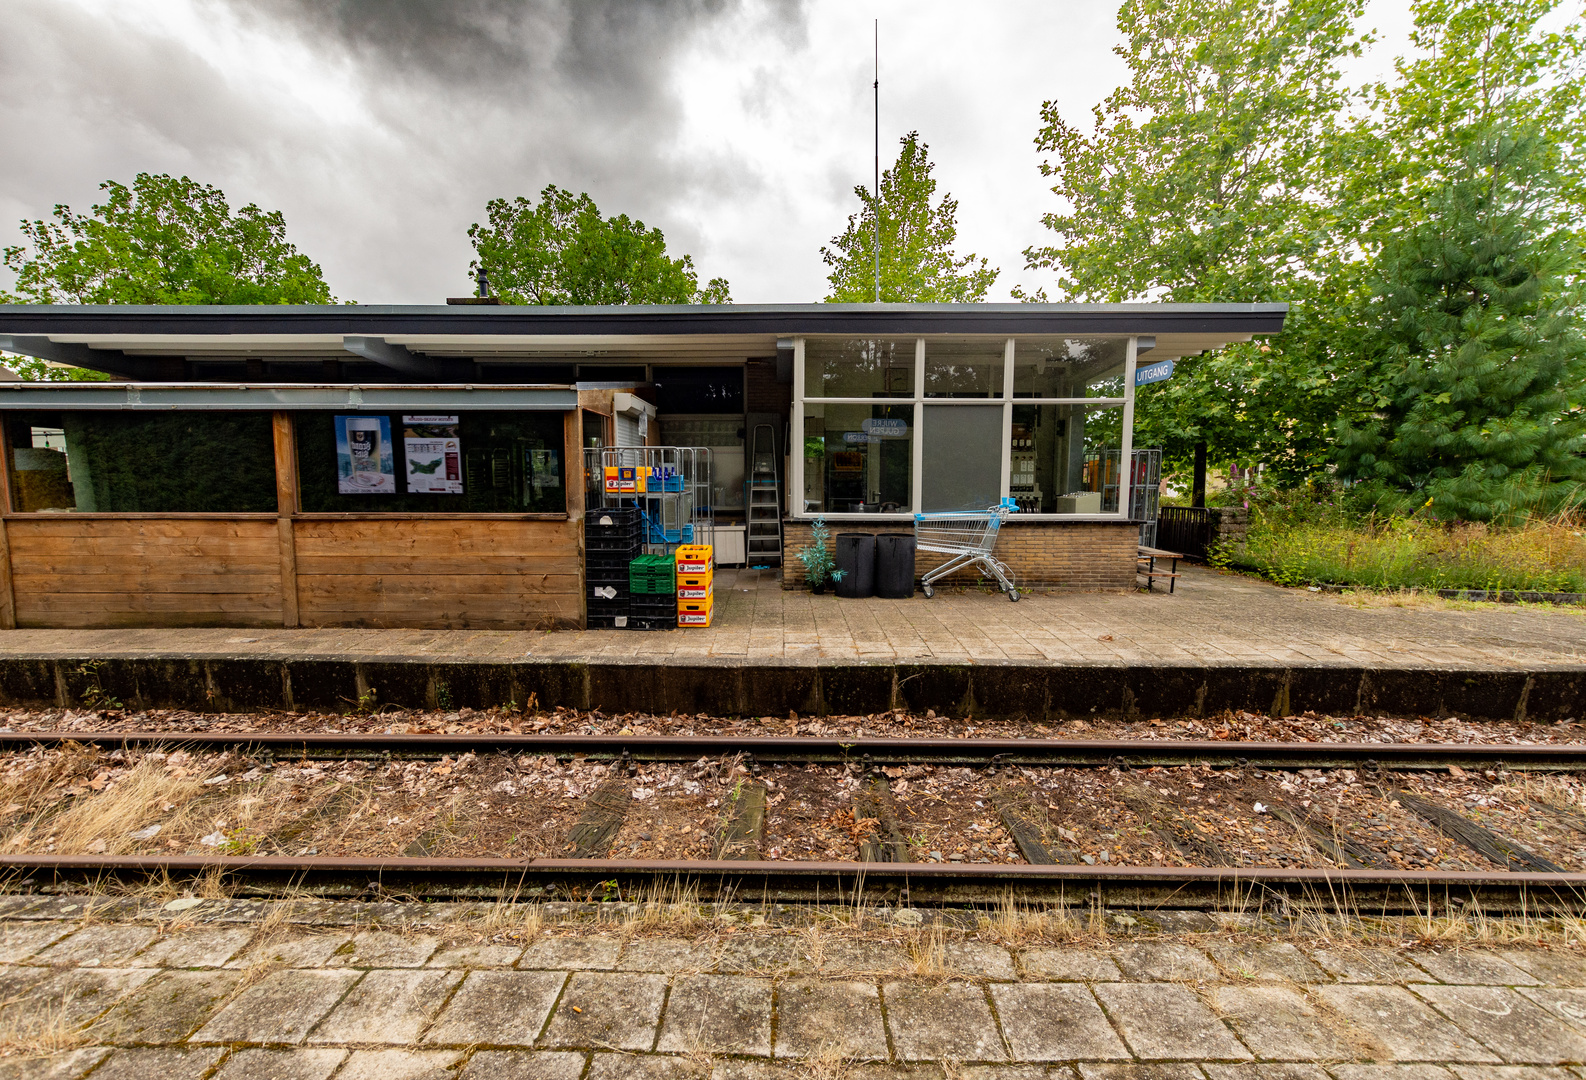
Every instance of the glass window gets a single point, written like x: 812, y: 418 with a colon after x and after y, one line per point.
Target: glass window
x: 960, y: 463
x: 724, y: 436
x: 135, y: 462
x: 699, y: 390
x: 1064, y: 458
x: 858, y: 459
x: 963, y: 369
x: 850, y: 368
x: 501, y: 462
x: 1069, y: 367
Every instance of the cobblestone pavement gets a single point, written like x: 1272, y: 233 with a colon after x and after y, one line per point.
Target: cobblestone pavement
x: 230, y: 997
x: 1213, y: 618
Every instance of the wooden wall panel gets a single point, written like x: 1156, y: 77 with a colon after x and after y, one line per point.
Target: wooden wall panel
x: 454, y: 574
x: 145, y: 572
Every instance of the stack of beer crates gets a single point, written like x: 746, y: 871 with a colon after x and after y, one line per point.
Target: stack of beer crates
x: 652, y: 587
x: 613, y: 538
x: 695, y: 584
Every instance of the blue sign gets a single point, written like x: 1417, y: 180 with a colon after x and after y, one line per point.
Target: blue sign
x: 1153, y: 373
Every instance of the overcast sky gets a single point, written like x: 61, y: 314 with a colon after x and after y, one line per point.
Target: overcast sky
x: 381, y: 127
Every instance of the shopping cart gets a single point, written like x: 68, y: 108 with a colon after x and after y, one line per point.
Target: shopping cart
x: 969, y: 536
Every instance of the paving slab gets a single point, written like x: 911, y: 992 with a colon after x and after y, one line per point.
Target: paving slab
x: 1264, y: 1070
x: 1567, y: 1004
x: 1174, y: 1070
x: 384, y: 949
x: 1279, y: 1023
x: 80, y: 994
x: 978, y: 960
x: 1166, y: 1021
x: 668, y: 955
x: 592, y: 953
x: 1555, y: 967
x: 1520, y: 1030
x: 1390, y: 1072
x: 840, y: 956
x: 1069, y: 965
x: 70, y: 1065
x: 164, y: 1062
x: 20, y: 940
x: 1271, y: 960
x: 482, y: 955
x: 399, y: 1065
x: 170, y: 1008
x: 647, y: 1067
x: 946, y: 1021
x: 1473, y: 967
x: 1369, y: 965
x: 524, y: 1065
x: 280, y: 1065
x: 1400, y: 1026
x: 1152, y: 961
x: 387, y: 1006
x: 721, y: 1014
x: 1512, y: 1072
x: 498, y: 1008
x: 293, y: 951
x: 839, y: 1018
x: 280, y: 1009
x: 615, y: 1010
x: 760, y: 954
x: 1055, y: 1022
x: 205, y: 947
x: 98, y: 945
x: 1008, y: 1072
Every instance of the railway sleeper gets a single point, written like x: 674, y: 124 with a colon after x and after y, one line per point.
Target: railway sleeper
x: 1174, y: 828
x: 741, y: 834
x: 1335, y: 845
x: 596, y: 830
x: 1019, y: 820
x: 873, y: 803
x: 1478, y: 838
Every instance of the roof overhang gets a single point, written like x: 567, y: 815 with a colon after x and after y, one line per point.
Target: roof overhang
x: 431, y: 343
x: 235, y: 397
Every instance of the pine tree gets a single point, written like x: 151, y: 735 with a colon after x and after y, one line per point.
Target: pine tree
x: 1480, y: 413
x: 918, y: 265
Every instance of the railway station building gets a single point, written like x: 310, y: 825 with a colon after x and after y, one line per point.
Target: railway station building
x: 431, y: 466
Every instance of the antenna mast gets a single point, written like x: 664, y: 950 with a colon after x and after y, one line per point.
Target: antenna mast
x: 877, y: 88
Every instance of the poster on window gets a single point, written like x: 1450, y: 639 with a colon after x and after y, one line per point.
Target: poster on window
x: 434, y: 455
x: 365, y: 464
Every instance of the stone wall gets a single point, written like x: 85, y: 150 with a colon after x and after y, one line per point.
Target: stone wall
x: 1230, y: 525
x: 1079, y: 556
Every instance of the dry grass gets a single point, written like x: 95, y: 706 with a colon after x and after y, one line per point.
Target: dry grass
x: 32, y: 1029
x: 1013, y: 922
x: 672, y: 908
x: 100, y: 823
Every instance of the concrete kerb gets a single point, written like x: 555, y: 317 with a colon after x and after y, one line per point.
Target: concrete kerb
x: 990, y: 690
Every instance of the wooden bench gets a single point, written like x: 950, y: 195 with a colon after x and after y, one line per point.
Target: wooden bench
x: 1145, y: 566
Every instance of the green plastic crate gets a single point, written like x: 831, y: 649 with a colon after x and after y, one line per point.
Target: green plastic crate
x: 652, y: 575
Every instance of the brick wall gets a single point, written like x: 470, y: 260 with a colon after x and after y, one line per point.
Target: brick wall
x: 1080, y: 556
x: 762, y: 393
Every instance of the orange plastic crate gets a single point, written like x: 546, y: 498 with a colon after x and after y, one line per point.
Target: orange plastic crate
x: 695, y: 559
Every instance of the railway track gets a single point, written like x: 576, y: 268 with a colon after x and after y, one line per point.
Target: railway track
x: 1379, y: 826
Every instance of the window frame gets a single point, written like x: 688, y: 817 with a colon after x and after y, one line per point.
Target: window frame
x: 919, y: 401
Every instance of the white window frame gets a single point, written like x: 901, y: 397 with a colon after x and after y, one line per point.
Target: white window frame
x: 917, y: 447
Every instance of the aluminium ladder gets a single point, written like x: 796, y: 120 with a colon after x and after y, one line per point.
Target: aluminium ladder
x: 763, y: 511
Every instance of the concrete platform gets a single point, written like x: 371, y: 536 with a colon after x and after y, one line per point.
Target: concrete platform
x: 224, y: 989
x: 1221, y: 641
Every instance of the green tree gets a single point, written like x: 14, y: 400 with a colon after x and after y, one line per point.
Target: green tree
x: 918, y: 265
x: 1208, y: 177
x: 163, y: 241
x: 1476, y: 355
x: 562, y: 251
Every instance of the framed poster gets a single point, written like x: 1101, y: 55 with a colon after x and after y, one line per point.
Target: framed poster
x: 365, y: 464
x: 434, y: 455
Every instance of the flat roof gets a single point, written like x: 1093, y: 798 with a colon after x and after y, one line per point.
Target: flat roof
x: 432, y: 341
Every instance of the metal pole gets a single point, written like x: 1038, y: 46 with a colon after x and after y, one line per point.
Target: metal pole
x: 877, y: 206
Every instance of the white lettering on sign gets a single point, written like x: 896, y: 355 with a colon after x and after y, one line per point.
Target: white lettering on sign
x: 1153, y: 373
x: 886, y: 429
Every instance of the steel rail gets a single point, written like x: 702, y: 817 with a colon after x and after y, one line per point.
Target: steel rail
x: 972, y: 752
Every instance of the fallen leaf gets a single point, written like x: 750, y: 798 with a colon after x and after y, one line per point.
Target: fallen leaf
x: 95, y: 847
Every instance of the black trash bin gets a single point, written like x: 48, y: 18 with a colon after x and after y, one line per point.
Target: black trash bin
x: 856, y: 558
x: 895, y: 565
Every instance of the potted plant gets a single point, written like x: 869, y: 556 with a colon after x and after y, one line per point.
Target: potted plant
x: 820, y: 568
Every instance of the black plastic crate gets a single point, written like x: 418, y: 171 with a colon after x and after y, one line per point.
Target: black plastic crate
x: 631, y: 546
x: 607, y: 622
x: 650, y: 604
x: 652, y: 622
x: 606, y: 565
x: 603, y: 592
x: 617, y: 523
